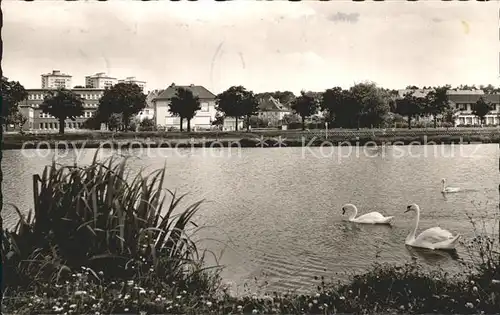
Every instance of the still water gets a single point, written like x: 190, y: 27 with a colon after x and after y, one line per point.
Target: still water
x: 275, y: 213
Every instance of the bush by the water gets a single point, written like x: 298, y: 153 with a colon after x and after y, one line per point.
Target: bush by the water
x: 101, y: 242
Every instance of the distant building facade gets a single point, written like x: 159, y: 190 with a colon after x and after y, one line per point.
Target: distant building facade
x: 463, y: 101
x: 99, y: 81
x: 56, y: 80
x: 141, y: 84
x: 203, y: 118
x: 272, y: 110
x: 37, y: 120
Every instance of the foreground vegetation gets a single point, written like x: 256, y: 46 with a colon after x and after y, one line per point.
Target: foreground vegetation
x: 101, y: 242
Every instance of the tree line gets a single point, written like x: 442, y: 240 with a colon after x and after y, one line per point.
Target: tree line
x: 362, y: 105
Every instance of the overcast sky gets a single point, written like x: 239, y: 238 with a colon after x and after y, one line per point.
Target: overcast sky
x: 264, y: 46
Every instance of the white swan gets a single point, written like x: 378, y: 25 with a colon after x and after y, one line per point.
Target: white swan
x: 369, y: 218
x: 433, y: 238
x: 445, y: 189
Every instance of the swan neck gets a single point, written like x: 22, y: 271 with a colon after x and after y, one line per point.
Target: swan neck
x: 417, y: 220
x: 354, y: 214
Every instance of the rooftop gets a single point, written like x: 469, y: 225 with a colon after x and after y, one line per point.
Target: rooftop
x: 197, y: 90
x: 56, y: 73
x: 270, y: 104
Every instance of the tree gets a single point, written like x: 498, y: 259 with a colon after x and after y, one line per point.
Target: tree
x: 219, y: 120
x: 12, y: 94
x: 147, y: 125
x: 115, y: 121
x: 249, y: 106
x: 373, y: 102
x: 410, y: 106
x: 184, y: 105
x: 237, y: 102
x: 305, y: 105
x: 62, y: 104
x: 481, y: 109
x: 123, y: 98
x: 449, y: 115
x: 332, y: 104
x: 437, y: 102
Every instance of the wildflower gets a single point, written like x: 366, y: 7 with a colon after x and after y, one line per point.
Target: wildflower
x: 157, y: 300
x: 315, y: 301
x: 310, y: 305
x: 127, y: 296
x: 402, y: 307
x: 318, y: 295
x: 130, y: 282
x: 469, y: 305
x: 151, y: 292
x: 179, y: 296
x: 80, y: 293
x: 97, y: 313
x: 254, y: 311
x: 142, y: 291
x: 78, y: 275
x: 472, y: 282
x: 126, y: 310
x: 239, y: 307
x: 474, y: 288
x: 72, y: 306
x: 325, y: 305
x: 209, y: 303
x: 184, y: 292
x: 342, y: 298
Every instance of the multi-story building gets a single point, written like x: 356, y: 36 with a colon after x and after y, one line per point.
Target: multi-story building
x: 203, y: 118
x: 37, y: 120
x: 99, y: 81
x: 141, y: 84
x: 464, y: 101
x: 56, y: 80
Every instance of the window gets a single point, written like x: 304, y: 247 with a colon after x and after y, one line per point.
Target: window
x: 204, y: 107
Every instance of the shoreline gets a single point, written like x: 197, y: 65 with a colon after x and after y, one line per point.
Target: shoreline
x: 242, y: 142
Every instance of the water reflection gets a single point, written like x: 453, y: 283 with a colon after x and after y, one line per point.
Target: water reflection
x: 432, y: 257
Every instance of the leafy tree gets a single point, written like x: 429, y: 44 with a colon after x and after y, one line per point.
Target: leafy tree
x: 62, y: 104
x: 481, y: 109
x: 115, y: 121
x: 12, y: 94
x: 332, y: 103
x: 249, y: 106
x: 437, y: 102
x: 373, y: 102
x: 449, y: 115
x: 237, y: 102
x: 305, y: 105
x: 410, y: 106
x: 219, y: 120
x: 147, y: 125
x: 184, y: 105
x: 123, y: 98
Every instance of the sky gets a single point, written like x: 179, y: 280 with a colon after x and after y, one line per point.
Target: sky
x: 262, y: 45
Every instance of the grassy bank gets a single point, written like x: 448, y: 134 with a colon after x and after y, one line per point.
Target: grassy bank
x: 100, y: 242
x: 247, y: 140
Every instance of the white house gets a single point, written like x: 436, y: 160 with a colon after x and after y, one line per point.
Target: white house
x: 272, y: 110
x: 203, y: 118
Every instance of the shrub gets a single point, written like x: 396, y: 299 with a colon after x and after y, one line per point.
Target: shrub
x: 99, y: 218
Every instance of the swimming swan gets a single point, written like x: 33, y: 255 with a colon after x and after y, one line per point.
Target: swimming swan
x: 445, y: 189
x: 369, y: 218
x: 433, y: 238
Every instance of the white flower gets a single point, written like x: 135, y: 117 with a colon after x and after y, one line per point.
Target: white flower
x: 80, y: 293
x: 254, y: 311
x: 209, y: 303
x: 184, y: 292
x: 310, y: 305
x: 126, y: 309
x: 72, y: 306
x: 179, y: 296
x: 239, y: 307
x: 142, y: 291
x: 474, y: 289
x: 342, y: 298
x: 127, y: 296
x: 469, y: 305
x: 318, y: 295
x: 315, y: 301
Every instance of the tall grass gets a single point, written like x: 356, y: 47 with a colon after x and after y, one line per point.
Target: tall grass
x: 99, y: 217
